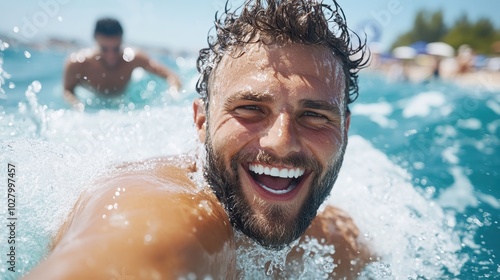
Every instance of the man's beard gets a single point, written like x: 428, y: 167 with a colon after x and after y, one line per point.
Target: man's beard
x: 274, y: 227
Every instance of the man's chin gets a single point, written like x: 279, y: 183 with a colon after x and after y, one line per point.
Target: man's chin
x: 273, y: 225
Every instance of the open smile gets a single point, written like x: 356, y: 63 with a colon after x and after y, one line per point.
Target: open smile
x: 276, y: 183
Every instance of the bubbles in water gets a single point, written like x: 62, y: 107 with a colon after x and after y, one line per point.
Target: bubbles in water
x: 60, y: 18
x: 128, y: 54
x: 257, y: 262
x: 37, y: 112
x: 36, y: 86
x: 27, y: 54
x: 3, y: 45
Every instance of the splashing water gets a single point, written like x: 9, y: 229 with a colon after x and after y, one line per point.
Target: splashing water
x: 419, y: 230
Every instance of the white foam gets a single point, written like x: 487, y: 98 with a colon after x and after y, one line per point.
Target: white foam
x: 494, y: 106
x: 490, y: 200
x: 493, y: 126
x: 449, y: 154
x: 421, y: 105
x: 377, y: 112
x: 460, y: 194
x: 472, y: 124
x: 398, y: 223
x: 74, y: 148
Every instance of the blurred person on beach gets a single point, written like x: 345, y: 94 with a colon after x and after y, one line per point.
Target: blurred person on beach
x: 465, y: 59
x: 272, y: 115
x: 107, y: 70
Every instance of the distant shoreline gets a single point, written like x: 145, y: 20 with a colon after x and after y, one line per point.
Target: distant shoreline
x: 68, y: 46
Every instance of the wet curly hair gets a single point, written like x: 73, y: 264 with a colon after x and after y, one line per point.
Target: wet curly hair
x: 308, y: 22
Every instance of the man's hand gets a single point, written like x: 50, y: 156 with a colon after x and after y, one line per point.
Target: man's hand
x: 75, y: 103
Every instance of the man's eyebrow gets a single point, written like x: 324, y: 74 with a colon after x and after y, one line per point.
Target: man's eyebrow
x: 320, y: 105
x: 250, y: 96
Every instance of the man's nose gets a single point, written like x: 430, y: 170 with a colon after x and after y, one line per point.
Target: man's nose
x: 281, y: 136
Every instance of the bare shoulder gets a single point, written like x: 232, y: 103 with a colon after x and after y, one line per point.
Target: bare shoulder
x: 336, y: 227
x: 151, y: 219
x: 141, y: 59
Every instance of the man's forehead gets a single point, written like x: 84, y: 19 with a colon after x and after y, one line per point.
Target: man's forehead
x: 254, y: 63
x: 292, y: 58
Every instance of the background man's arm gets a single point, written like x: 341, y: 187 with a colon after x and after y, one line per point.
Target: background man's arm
x: 152, y: 229
x: 156, y: 68
x: 70, y: 82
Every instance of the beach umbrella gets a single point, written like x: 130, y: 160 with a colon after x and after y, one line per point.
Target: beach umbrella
x: 440, y: 49
x: 404, y: 52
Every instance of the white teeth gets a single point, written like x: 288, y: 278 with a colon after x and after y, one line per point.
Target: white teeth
x: 284, y: 173
x: 285, y: 191
x: 275, y: 172
x: 267, y: 170
x: 299, y: 172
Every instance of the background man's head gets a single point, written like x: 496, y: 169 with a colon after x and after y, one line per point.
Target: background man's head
x: 108, y: 34
x: 275, y: 83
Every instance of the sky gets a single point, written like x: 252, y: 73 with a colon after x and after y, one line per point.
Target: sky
x: 184, y: 24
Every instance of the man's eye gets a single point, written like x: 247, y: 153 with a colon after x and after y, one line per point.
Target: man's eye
x: 249, y: 107
x: 315, y: 115
x: 249, y: 112
x: 314, y: 119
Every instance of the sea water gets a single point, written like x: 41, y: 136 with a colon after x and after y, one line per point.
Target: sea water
x: 420, y: 176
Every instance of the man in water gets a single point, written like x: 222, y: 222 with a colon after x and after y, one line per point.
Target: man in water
x: 273, y: 115
x: 107, y: 71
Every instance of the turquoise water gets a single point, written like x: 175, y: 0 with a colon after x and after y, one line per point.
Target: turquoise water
x: 420, y: 176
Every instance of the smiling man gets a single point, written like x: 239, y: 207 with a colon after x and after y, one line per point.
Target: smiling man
x: 274, y: 89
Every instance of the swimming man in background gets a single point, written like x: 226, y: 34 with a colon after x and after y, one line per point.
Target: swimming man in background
x: 107, y: 71
x: 273, y: 115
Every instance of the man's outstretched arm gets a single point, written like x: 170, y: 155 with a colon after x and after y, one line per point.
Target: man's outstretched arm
x: 156, y: 68
x: 142, y: 227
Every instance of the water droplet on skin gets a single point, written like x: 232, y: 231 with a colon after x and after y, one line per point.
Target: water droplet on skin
x: 104, y: 216
x: 115, y: 206
x: 109, y: 207
x: 147, y: 238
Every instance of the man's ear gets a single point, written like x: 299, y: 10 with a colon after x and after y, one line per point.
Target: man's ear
x: 200, y: 119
